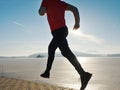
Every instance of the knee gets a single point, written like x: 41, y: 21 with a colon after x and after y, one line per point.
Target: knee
x: 65, y: 53
x: 51, y: 50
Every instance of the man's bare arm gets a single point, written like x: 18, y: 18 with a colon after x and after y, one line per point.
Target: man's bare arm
x: 42, y: 11
x: 75, y: 12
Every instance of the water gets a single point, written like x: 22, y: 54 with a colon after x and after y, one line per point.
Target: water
x: 106, y: 72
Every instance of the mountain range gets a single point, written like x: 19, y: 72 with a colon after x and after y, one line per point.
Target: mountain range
x: 58, y: 54
x: 78, y: 54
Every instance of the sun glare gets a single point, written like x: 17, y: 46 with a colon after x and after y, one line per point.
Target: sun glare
x: 82, y: 59
x: 86, y: 36
x: 75, y: 32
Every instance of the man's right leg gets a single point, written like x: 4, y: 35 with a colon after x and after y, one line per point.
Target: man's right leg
x: 51, y: 54
x: 66, y: 52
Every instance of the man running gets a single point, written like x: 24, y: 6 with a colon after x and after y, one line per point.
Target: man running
x: 55, y: 11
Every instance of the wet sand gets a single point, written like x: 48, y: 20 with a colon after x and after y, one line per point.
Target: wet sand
x: 16, y: 84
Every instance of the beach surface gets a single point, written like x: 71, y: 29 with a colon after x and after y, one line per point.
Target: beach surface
x: 16, y: 84
x: 105, y: 70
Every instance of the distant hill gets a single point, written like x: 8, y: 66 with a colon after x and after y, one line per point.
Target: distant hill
x: 38, y: 55
x: 113, y: 55
x: 2, y: 57
x: 58, y: 54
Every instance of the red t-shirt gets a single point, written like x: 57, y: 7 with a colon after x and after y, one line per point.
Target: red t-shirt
x: 55, y: 10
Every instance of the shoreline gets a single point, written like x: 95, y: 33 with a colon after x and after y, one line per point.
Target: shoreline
x: 18, y: 84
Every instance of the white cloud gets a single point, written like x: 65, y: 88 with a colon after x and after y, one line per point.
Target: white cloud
x: 18, y: 24
x: 84, y: 36
x: 22, y: 27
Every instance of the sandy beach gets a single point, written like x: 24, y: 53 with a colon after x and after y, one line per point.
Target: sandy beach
x: 24, y: 74
x: 16, y: 84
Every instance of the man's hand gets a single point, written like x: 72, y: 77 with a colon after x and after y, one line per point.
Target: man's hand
x: 75, y: 12
x: 42, y: 11
x: 76, y: 26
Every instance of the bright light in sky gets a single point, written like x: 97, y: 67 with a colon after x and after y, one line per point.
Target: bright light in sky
x: 24, y: 32
x: 79, y: 34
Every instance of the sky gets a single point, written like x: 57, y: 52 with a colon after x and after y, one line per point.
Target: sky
x: 24, y: 32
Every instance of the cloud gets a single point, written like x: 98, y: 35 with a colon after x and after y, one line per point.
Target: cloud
x: 87, y: 37
x: 18, y: 24
x: 111, y: 49
x: 22, y: 27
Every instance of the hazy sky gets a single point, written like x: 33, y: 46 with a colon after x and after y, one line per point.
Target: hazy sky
x: 24, y: 32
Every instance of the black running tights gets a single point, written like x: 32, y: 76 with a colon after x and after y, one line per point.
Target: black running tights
x: 59, y: 41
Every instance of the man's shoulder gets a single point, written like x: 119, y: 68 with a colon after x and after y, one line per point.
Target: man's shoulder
x: 63, y: 2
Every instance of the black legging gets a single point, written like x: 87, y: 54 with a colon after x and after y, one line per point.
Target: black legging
x: 59, y: 40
